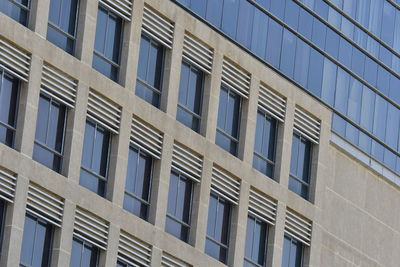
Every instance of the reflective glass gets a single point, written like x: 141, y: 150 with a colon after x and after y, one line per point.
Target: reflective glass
x: 300, y: 165
x: 83, y: 254
x: 17, y: 12
x: 292, y: 253
x: 245, y: 23
x: 256, y: 240
x: 229, y: 16
x: 8, y: 108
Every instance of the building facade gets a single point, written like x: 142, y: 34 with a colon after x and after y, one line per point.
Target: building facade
x: 199, y: 133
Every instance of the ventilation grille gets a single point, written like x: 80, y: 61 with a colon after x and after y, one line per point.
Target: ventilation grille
x: 91, y: 228
x: 272, y: 103
x: 262, y: 207
x: 236, y: 79
x: 225, y: 185
x: 298, y: 227
x: 122, y: 8
x: 169, y: 261
x: 306, y: 125
x: 186, y: 162
x: 146, y: 137
x: 104, y: 112
x: 14, y: 60
x: 197, y: 53
x: 45, y: 205
x: 8, y: 182
x: 59, y: 86
x: 157, y: 27
x: 133, y: 251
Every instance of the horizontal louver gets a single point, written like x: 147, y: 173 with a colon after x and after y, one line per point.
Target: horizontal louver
x: 146, y: 137
x: 262, y: 207
x: 169, y: 261
x: 298, y: 227
x: 271, y: 103
x: 306, y: 125
x: 104, y: 112
x: 157, y: 27
x: 122, y: 8
x: 14, y: 60
x: 197, y: 53
x: 225, y: 185
x: 45, y: 205
x: 187, y: 162
x: 91, y: 228
x: 8, y: 182
x: 59, y: 86
x: 133, y: 251
x: 236, y: 79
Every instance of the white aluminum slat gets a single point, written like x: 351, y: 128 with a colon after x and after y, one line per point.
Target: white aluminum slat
x: 14, y: 60
x: 8, y: 182
x: 197, y: 53
x: 272, y: 103
x: 298, y: 227
x: 236, y: 79
x: 225, y: 185
x: 122, y: 8
x: 157, y: 27
x: 146, y: 137
x: 306, y: 125
x: 262, y: 207
x: 187, y: 162
x: 133, y: 250
x: 168, y: 260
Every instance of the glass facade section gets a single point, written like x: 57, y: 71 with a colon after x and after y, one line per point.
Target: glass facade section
x: 300, y: 166
x: 256, y: 243
x: 9, y: 94
x: 292, y: 253
x: 16, y: 9
x: 83, y: 254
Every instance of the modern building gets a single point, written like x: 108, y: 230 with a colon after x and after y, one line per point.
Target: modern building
x: 200, y: 133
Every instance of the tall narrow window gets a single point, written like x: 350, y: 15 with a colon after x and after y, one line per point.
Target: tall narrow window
x: 256, y: 237
x: 138, y: 183
x: 217, y: 239
x: 292, y: 253
x: 228, y: 123
x: 107, y: 46
x: 95, y: 157
x: 3, y: 206
x: 179, y: 206
x: 50, y: 129
x: 16, y: 9
x: 150, y: 69
x: 9, y: 94
x: 190, y: 96
x: 83, y: 254
x: 61, y: 29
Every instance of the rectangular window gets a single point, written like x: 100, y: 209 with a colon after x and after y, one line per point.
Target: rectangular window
x: 16, y: 9
x: 190, y: 96
x: 83, y: 254
x: 256, y: 240
x: 300, y: 166
x: 150, y: 70
x: 50, y: 130
x: 292, y: 253
x: 95, y: 158
x: 9, y: 94
x: 179, y: 206
x: 36, y: 242
x: 61, y: 29
x: 228, y: 123
x: 107, y: 45
x: 217, y: 239
x: 138, y: 183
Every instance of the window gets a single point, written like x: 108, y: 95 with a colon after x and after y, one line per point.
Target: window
x: 264, y: 145
x: 256, y: 237
x: 95, y: 157
x: 3, y: 206
x: 179, y: 206
x: 138, y: 183
x: 83, y: 254
x: 16, y: 9
x: 292, y: 253
x: 190, y: 96
x: 107, y: 46
x: 150, y: 69
x: 9, y: 94
x: 61, y: 29
x: 50, y: 129
x: 36, y: 242
x: 300, y: 166
x: 218, y: 228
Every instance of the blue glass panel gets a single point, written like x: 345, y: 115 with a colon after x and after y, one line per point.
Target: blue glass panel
x: 305, y: 23
x: 352, y: 133
x: 101, y: 30
x: 385, y: 56
x: 60, y: 40
x: 55, y: 7
x: 347, y: 28
x: 367, y: 108
x: 345, y: 52
x: 318, y: 33
x: 273, y: 49
x: 380, y: 117
x: 230, y: 16
x: 68, y: 16
x: 292, y: 14
x: 342, y: 91
x: 358, y: 62
x: 329, y: 82
x: 104, y: 67
x: 278, y: 8
x: 322, y: 8
x: 370, y: 71
x: 199, y: 7
x: 354, y: 102
x: 260, y: 30
x: 388, y: 19
x: 214, y: 12
x: 394, y: 89
x: 315, y: 72
x: 301, y: 62
x: 332, y: 43
x: 334, y: 18
x: 245, y: 23
x: 392, y: 131
x: 338, y: 125
x: 288, y: 53
x: 383, y: 81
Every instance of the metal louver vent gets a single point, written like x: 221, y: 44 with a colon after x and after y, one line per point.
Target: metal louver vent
x: 134, y: 251
x: 122, y: 8
x: 59, y: 86
x: 45, y: 205
x: 197, y: 53
x: 298, y: 227
x: 8, y: 181
x: 169, y: 261
x: 306, y: 125
x: 157, y: 27
x: 225, y: 185
x: 272, y: 103
x: 146, y: 137
x: 262, y: 207
x: 236, y: 79
x: 104, y: 112
x: 14, y: 60
x: 187, y: 162
x: 91, y: 228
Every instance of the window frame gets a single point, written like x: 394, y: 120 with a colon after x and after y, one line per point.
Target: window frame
x: 255, y: 219
x: 89, y: 245
x: 23, y: 7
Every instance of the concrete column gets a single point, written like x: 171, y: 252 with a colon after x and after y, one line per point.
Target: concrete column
x: 111, y: 254
x: 156, y: 257
x: 86, y: 31
x: 39, y: 16
x: 275, y: 238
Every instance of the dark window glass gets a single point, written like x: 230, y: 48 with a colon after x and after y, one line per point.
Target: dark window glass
x: 292, y: 253
x: 3, y: 206
x: 16, y: 9
x: 138, y: 183
x: 121, y: 263
x: 83, y: 254
x: 95, y: 156
x: 150, y: 68
x: 256, y: 240
x: 9, y: 93
x: 36, y: 242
